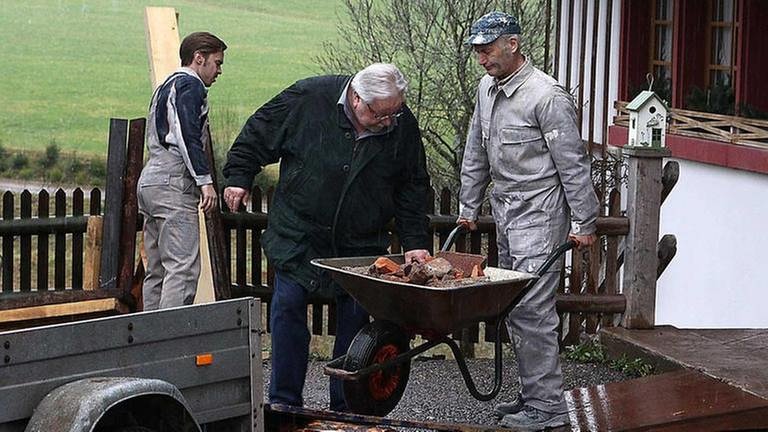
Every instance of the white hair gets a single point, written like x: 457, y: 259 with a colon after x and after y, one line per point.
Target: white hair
x: 379, y: 81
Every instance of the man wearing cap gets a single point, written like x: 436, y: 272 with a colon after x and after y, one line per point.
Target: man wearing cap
x: 524, y: 138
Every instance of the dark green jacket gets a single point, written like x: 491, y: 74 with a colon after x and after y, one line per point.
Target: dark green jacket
x: 335, y: 196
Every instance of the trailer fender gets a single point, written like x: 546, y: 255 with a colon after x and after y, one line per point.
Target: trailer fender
x: 114, y: 404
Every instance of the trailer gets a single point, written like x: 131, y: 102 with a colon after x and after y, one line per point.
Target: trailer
x: 191, y: 368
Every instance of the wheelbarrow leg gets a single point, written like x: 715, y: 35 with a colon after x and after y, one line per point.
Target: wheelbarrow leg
x: 497, y: 358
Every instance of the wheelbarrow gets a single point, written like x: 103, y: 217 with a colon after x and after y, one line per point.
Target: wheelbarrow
x: 376, y: 367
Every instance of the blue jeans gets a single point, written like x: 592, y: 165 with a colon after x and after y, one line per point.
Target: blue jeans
x: 290, y: 341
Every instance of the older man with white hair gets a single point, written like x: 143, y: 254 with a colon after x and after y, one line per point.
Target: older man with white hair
x: 351, y: 159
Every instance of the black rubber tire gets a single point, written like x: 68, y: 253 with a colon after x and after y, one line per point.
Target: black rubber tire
x: 378, y: 393
x: 134, y: 429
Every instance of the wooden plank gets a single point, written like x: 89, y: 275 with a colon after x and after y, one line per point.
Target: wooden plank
x: 25, y: 258
x: 77, y: 241
x: 611, y: 281
x: 130, y: 209
x: 43, y: 210
x: 60, y: 310
x: 7, y: 254
x: 43, y: 225
x: 674, y: 401
x: 161, y: 28
x: 60, y: 244
x: 219, y: 253
x: 256, y: 267
x: 93, y: 252
x: 95, y: 204
x: 204, y: 292
x: 19, y: 300
x: 590, y: 303
x: 116, y: 158
x: 241, y: 252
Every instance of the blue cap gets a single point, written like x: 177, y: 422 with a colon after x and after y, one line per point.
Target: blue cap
x: 490, y: 26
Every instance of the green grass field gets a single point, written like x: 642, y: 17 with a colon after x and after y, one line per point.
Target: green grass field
x: 69, y: 66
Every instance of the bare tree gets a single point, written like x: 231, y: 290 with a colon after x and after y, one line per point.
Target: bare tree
x: 425, y: 38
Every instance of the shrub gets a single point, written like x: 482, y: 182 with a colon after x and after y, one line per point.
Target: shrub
x: 3, y: 158
x: 97, y: 169
x: 50, y: 158
x: 19, y: 161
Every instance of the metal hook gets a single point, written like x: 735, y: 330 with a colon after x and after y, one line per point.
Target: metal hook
x: 649, y: 78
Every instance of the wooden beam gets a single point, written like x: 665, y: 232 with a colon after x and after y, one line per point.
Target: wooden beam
x: 93, y: 244
x: 61, y: 310
x: 113, y: 212
x: 591, y: 303
x: 162, y: 31
x: 669, y: 176
x: 217, y: 250
x: 641, y: 259
x: 130, y: 210
x: 666, y: 250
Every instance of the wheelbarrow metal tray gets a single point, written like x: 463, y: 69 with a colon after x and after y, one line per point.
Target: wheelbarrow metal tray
x: 422, y: 308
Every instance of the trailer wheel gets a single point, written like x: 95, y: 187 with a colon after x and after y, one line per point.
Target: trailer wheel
x: 377, y: 393
x: 134, y: 429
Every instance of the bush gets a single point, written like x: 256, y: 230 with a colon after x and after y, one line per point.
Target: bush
x: 50, y: 158
x: 97, y: 170
x: 3, y: 158
x: 19, y: 161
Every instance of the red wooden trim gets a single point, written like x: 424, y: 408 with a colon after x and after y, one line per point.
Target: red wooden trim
x: 677, y: 53
x: 710, y: 152
x: 689, y: 50
x: 752, y: 87
x: 634, y: 46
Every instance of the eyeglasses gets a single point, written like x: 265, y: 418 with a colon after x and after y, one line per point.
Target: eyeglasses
x: 380, y: 117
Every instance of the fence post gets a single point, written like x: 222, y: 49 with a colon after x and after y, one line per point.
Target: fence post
x: 641, y: 260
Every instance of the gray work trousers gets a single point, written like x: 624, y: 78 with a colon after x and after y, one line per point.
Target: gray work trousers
x: 530, y: 224
x: 169, y: 198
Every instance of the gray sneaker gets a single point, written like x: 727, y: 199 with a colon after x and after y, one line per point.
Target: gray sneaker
x: 532, y: 419
x: 507, y: 408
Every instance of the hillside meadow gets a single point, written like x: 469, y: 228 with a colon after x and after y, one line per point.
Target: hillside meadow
x: 69, y: 66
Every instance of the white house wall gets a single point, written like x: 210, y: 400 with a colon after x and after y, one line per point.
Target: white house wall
x: 719, y: 277
x: 573, y: 84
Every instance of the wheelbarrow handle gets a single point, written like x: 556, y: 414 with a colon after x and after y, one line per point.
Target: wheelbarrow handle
x: 555, y: 255
x: 460, y: 229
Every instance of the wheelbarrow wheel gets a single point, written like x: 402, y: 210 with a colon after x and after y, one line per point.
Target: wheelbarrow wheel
x: 379, y: 392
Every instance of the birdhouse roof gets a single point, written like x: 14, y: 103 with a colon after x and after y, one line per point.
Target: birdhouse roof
x: 643, y: 98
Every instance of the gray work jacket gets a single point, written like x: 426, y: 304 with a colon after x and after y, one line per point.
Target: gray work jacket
x: 524, y: 137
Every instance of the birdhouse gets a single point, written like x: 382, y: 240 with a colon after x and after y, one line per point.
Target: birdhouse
x: 647, y: 121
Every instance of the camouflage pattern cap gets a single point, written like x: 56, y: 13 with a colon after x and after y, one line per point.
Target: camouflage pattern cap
x: 490, y: 26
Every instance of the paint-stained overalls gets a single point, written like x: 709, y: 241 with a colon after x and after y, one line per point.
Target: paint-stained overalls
x: 524, y: 138
x: 168, y: 190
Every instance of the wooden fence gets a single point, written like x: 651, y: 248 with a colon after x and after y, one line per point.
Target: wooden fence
x: 588, y: 296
